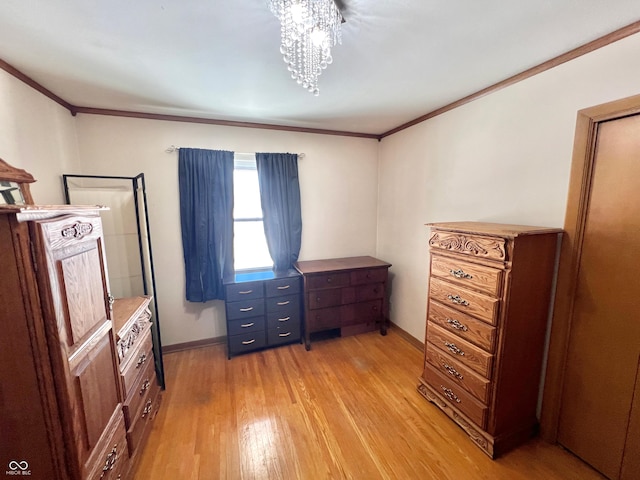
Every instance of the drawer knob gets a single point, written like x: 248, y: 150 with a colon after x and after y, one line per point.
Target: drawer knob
x: 458, y: 300
x: 145, y: 386
x: 284, y: 334
x: 245, y: 292
x: 454, y: 349
x: 459, y: 273
x: 284, y: 303
x: 452, y: 371
x: 141, y: 359
x: 329, y: 280
x: 248, y: 309
x: 247, y: 325
x: 110, y: 460
x: 456, y: 324
x: 147, y: 408
x: 283, y: 287
x: 285, y: 319
x: 249, y: 342
x: 449, y: 394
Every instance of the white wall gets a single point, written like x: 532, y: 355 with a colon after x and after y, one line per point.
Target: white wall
x: 502, y: 158
x: 37, y: 135
x: 338, y: 183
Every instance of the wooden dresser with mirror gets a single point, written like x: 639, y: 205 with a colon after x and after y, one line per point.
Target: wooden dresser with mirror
x: 68, y: 386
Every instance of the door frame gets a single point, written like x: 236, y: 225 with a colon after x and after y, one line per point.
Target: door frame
x: 580, y: 183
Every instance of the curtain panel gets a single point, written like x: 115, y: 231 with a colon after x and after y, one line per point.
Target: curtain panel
x: 280, y: 198
x: 206, y: 216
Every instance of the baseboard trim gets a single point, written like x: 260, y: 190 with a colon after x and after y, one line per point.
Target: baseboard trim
x: 205, y: 342
x: 407, y: 336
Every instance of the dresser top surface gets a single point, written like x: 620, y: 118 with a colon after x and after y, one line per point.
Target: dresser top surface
x: 495, y: 229
x: 337, y: 264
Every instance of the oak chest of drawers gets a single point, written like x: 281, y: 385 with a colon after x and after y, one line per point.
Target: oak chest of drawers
x: 490, y: 288
x: 263, y: 310
x: 349, y: 294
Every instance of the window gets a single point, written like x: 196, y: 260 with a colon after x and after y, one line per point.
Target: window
x: 249, y: 241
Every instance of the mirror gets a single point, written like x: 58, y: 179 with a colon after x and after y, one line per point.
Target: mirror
x: 126, y: 236
x: 14, y: 185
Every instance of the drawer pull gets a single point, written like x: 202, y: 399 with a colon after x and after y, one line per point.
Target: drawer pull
x: 283, y: 287
x: 249, y: 342
x: 454, y: 349
x: 145, y: 386
x: 141, y: 359
x: 458, y: 300
x: 284, y: 303
x: 452, y: 371
x: 245, y: 292
x: 456, y: 324
x: 449, y: 394
x: 110, y: 460
x: 147, y: 408
x: 284, y: 334
x: 329, y: 280
x: 460, y: 274
x: 247, y: 325
x: 248, y: 309
x: 285, y: 319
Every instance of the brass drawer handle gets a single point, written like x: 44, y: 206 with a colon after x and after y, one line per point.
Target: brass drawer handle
x: 284, y: 303
x: 141, y: 359
x: 456, y: 324
x: 458, y: 300
x: 145, y: 386
x: 452, y: 371
x: 459, y: 273
x: 285, y: 319
x: 449, y: 394
x: 110, y: 460
x: 454, y: 349
x: 247, y: 325
x: 283, y: 287
x: 248, y: 309
x: 249, y: 342
x: 284, y: 334
x: 245, y: 292
x: 147, y: 408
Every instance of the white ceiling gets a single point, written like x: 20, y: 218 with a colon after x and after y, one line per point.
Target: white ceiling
x: 220, y: 59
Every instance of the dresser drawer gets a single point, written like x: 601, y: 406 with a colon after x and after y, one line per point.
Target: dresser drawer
x: 464, y: 300
x: 370, y: 291
x: 284, y: 334
x: 245, y: 309
x: 247, y: 342
x: 325, y: 298
x: 244, y: 291
x: 245, y: 325
x: 283, y: 303
x: 457, y: 397
x: 480, y: 246
x: 324, y: 319
x: 470, y: 275
x: 328, y: 280
x: 463, y: 351
x: 139, y: 392
x: 141, y: 423
x: 365, y: 312
x: 464, y: 377
x: 137, y: 362
x: 282, y: 286
x: 287, y: 317
x: 370, y: 275
x: 465, y: 326
x: 110, y: 459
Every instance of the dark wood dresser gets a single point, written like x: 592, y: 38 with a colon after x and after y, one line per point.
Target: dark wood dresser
x: 263, y: 310
x: 349, y: 294
x: 489, y: 296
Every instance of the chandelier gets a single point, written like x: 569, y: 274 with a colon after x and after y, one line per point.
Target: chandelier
x: 309, y: 28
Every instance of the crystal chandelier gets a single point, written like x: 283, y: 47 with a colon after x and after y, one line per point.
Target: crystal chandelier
x: 309, y: 28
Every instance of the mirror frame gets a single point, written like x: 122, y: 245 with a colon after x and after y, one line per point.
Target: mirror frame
x: 19, y: 176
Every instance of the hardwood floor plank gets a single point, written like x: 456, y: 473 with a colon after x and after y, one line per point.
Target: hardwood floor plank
x: 347, y: 409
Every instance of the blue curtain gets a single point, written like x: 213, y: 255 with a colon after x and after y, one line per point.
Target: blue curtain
x: 206, y: 215
x: 280, y: 198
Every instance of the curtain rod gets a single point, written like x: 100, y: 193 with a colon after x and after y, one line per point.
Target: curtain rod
x: 173, y: 148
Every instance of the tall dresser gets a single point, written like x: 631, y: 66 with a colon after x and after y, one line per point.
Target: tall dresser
x: 490, y: 288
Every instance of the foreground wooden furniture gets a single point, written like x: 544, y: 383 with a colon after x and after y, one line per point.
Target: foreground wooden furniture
x: 489, y: 295
x: 262, y: 310
x: 346, y: 293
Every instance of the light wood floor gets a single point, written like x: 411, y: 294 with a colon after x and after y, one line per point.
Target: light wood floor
x: 347, y: 409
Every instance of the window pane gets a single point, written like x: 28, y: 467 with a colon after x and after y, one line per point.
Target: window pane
x: 250, y: 246
x: 246, y: 194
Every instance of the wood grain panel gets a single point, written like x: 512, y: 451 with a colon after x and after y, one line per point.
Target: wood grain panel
x: 492, y: 248
x: 466, y: 301
x: 465, y: 326
x: 460, y: 349
x: 469, y: 275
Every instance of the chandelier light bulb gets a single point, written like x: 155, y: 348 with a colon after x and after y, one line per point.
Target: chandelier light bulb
x: 309, y: 29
